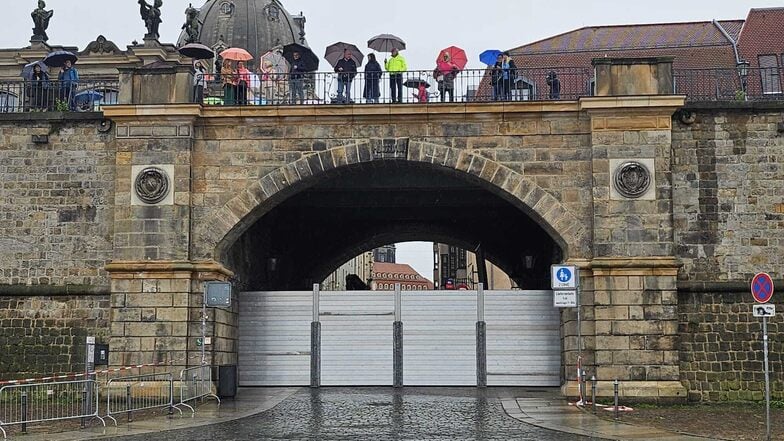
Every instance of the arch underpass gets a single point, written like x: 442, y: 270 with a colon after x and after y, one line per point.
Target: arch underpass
x: 356, y: 208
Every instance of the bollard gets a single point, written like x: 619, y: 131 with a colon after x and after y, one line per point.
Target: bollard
x: 583, y: 387
x: 24, y: 412
x: 615, y: 393
x: 593, y: 393
x: 128, y: 402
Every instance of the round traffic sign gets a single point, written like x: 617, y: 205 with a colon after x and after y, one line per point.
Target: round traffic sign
x: 762, y: 287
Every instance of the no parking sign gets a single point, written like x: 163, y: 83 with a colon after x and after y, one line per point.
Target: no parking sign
x: 762, y: 287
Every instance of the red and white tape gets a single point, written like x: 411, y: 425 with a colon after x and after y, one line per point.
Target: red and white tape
x: 73, y: 375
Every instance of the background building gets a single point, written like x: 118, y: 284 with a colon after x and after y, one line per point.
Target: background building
x: 386, y: 275
x: 361, y: 266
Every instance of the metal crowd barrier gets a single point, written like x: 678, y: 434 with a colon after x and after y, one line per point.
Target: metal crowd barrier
x: 196, y: 383
x: 139, y: 392
x: 22, y: 404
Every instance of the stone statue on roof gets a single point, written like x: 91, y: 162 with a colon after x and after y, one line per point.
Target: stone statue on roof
x: 151, y: 14
x: 192, y: 25
x: 41, y: 19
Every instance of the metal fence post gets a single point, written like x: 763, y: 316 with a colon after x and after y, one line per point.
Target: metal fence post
x: 24, y: 412
x: 128, y: 402
x: 593, y: 393
x: 83, y: 422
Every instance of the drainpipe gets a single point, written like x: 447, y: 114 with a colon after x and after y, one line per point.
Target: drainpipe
x: 731, y: 40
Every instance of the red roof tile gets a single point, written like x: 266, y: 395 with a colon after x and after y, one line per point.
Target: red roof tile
x: 763, y: 34
x: 640, y: 36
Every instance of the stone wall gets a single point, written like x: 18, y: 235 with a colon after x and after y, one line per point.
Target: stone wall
x: 232, y: 154
x: 57, y: 198
x: 721, y: 355
x: 728, y: 193
x: 46, y: 334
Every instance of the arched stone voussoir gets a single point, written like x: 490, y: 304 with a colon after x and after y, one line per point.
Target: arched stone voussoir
x: 231, y: 220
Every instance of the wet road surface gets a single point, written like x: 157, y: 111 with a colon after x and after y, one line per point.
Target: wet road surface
x: 377, y: 414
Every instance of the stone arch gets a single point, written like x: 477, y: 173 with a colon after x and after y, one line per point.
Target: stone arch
x: 225, y: 225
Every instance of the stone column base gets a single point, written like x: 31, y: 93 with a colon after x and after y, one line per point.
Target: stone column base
x: 631, y: 391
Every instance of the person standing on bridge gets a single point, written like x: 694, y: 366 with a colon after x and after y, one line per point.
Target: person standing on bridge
x: 396, y: 65
x: 346, y: 69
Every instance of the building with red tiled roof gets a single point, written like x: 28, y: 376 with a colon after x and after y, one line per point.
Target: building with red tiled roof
x: 386, y: 275
x: 710, y: 45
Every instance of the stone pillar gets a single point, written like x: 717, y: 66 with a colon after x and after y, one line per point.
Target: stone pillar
x: 156, y: 290
x: 156, y: 314
x: 634, y: 269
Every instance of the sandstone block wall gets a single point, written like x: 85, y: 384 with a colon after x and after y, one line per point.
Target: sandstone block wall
x: 46, y: 334
x: 57, y: 197
x: 721, y: 355
x: 728, y: 194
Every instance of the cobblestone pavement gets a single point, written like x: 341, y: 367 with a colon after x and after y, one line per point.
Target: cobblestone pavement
x: 377, y: 414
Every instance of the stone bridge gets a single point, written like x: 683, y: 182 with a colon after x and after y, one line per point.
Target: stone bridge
x: 663, y: 265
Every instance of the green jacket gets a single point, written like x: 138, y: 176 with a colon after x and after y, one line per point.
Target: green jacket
x: 396, y: 64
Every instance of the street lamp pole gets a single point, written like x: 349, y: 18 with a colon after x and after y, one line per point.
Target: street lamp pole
x: 743, y: 71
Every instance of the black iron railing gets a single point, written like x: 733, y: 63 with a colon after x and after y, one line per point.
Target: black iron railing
x: 85, y: 95
x: 749, y: 84
x: 426, y: 86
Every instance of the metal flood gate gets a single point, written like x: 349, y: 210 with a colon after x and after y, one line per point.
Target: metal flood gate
x: 354, y: 344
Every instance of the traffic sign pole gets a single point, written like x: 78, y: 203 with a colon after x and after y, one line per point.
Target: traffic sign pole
x: 767, y: 376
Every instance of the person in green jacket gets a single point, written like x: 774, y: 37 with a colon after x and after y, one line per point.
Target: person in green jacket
x: 396, y: 65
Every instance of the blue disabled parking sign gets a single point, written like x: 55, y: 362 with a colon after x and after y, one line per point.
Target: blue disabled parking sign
x: 564, y: 276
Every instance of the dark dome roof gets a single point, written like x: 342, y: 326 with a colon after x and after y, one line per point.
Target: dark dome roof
x: 254, y: 25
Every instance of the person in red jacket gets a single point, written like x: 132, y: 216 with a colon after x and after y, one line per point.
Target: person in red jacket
x: 446, y: 71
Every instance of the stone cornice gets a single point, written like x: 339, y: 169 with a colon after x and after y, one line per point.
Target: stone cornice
x: 612, y: 104
x: 324, y: 111
x: 152, y: 110
x: 174, y: 269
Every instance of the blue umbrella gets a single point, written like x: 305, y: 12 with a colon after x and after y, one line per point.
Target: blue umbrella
x: 57, y: 58
x: 88, y: 96
x: 85, y: 100
x: 27, y: 71
x: 490, y: 56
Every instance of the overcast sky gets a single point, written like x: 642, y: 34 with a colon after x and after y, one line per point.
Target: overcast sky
x: 426, y: 26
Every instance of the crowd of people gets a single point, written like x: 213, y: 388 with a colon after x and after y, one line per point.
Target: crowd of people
x: 241, y: 86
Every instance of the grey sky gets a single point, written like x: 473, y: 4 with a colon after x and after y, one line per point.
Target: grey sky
x: 426, y: 26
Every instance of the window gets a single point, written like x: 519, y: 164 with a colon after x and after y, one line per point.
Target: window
x: 227, y: 8
x: 769, y: 74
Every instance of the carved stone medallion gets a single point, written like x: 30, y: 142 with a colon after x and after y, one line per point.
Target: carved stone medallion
x: 152, y: 185
x: 632, y: 179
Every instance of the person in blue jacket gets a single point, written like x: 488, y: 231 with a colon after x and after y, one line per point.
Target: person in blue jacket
x: 69, y: 80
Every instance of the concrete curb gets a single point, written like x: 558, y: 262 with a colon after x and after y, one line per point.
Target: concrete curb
x: 558, y: 416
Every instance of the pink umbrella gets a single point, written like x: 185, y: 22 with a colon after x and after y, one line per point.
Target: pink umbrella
x: 236, y: 54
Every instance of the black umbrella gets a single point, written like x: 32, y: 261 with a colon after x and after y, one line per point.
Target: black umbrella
x: 58, y: 58
x: 308, y: 60
x: 386, y: 42
x: 27, y: 71
x: 334, y: 53
x: 414, y: 83
x: 197, y: 51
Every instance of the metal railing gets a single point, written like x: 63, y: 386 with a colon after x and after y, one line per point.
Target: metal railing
x: 751, y: 84
x: 86, y: 95
x: 139, y: 392
x: 196, y: 383
x: 471, y: 85
x: 23, y: 404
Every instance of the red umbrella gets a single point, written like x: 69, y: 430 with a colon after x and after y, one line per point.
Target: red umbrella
x: 456, y: 56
